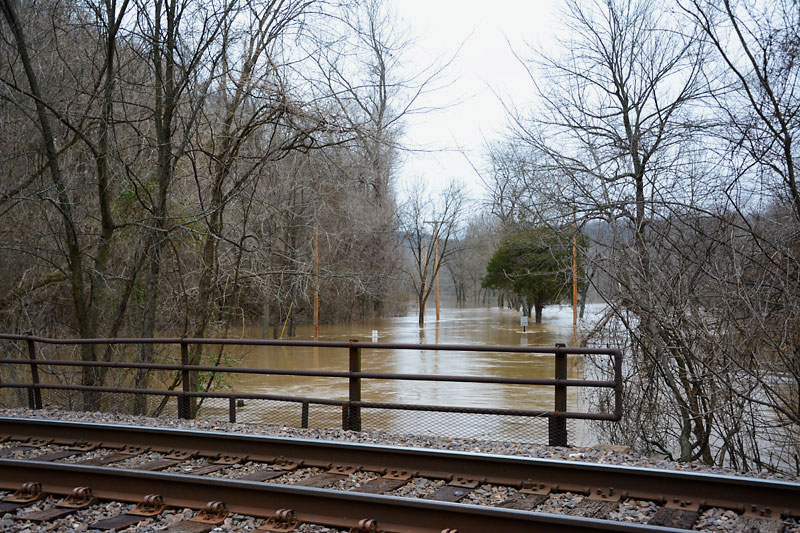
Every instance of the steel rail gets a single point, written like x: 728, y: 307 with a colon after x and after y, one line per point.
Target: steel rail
x: 660, y: 485
x: 321, y: 373
x: 316, y: 506
x: 325, y: 401
x: 323, y: 344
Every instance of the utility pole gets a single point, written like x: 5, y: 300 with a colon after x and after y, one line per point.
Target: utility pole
x: 436, y: 270
x: 316, y: 283
x: 575, y: 277
x: 435, y: 261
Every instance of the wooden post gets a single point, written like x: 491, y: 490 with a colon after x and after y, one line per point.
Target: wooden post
x: 574, y: 272
x: 34, y: 393
x: 557, y: 427
x: 354, y: 411
x: 436, y: 267
x: 316, y: 284
x: 232, y: 410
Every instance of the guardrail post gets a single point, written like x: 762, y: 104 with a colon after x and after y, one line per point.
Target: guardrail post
x: 354, y: 411
x: 557, y: 424
x: 232, y: 409
x: 304, y: 415
x: 184, y: 405
x: 34, y: 394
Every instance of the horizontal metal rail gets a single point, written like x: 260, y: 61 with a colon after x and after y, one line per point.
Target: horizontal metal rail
x: 578, y: 415
x: 320, y: 344
x: 713, y: 490
x: 324, y: 373
x: 351, y: 414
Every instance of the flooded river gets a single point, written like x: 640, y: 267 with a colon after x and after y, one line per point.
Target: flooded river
x: 488, y: 326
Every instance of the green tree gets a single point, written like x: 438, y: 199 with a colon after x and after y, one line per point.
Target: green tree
x: 534, y: 265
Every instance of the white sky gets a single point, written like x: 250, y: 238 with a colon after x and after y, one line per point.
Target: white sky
x: 484, y: 66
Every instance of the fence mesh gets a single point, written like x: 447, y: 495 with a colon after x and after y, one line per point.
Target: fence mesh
x: 398, y: 421
x: 534, y: 430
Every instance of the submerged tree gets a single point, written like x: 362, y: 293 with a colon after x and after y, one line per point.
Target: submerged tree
x: 535, y: 266
x: 429, y: 224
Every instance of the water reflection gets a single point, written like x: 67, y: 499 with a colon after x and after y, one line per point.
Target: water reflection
x: 492, y: 326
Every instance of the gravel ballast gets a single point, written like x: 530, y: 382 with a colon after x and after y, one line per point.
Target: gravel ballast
x: 628, y: 511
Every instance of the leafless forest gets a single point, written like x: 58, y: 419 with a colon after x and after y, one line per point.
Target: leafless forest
x: 667, y: 136
x: 167, y: 164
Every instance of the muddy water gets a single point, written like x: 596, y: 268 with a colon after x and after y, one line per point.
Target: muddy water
x: 488, y: 326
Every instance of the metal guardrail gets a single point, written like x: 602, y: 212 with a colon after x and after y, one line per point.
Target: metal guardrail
x: 351, y: 408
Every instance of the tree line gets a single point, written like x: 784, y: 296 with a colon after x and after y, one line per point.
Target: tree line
x: 168, y: 163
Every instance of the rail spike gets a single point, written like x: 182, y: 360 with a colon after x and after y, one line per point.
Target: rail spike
x: 282, y: 520
x: 80, y: 497
x: 213, y: 513
x: 367, y: 525
x: 29, y: 492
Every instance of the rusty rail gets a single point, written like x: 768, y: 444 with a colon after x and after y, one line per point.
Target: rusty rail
x: 647, y: 483
x: 341, y: 509
x: 351, y: 408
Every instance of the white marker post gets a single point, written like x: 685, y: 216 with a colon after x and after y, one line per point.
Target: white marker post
x: 523, y: 321
x: 374, y: 335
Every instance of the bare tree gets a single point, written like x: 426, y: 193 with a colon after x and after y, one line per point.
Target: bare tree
x: 429, y: 225
x: 614, y: 128
x: 84, y: 122
x: 757, y: 106
x: 362, y: 71
x: 672, y: 143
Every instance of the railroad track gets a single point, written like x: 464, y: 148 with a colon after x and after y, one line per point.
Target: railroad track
x: 286, y: 482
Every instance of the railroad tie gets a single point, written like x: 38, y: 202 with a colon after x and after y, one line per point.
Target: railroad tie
x: 380, y: 485
x: 589, y: 508
x: 55, y: 456
x: 263, y: 475
x: 321, y: 480
x: 524, y: 502
x: 15, y: 449
x: 157, y: 465
x: 207, y: 469
x: 756, y: 524
x: 455, y: 491
x: 125, y: 453
x: 448, y: 493
x: 675, y: 518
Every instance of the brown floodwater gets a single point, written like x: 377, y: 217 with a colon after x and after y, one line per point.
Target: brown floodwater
x: 472, y: 325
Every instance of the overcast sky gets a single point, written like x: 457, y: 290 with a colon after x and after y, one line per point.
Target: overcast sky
x: 485, y: 65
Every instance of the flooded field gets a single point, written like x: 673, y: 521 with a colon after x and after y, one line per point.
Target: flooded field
x: 483, y: 326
